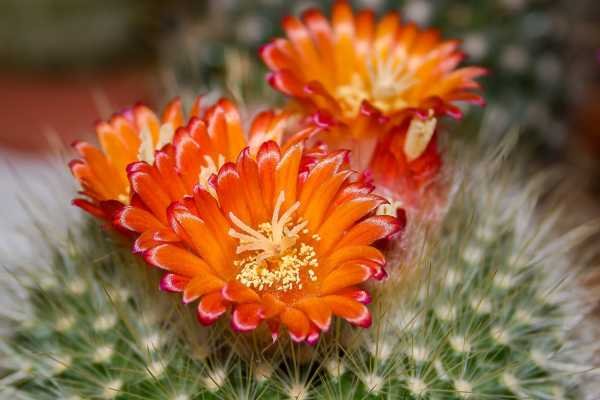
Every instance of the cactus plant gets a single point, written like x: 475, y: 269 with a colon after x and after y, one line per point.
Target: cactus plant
x: 277, y: 230
x: 482, y: 307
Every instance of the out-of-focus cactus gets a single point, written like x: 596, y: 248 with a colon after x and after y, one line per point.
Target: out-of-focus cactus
x: 483, y: 305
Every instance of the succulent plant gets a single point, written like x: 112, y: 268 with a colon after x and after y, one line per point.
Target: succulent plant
x: 482, y: 304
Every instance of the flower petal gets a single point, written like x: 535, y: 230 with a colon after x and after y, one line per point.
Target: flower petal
x: 349, y: 309
x: 228, y: 186
x: 343, y: 216
x: 246, y: 317
x: 371, y: 230
x: 210, y: 308
x: 346, y: 275
x: 200, y: 285
x: 235, y: 292
x: 287, y: 175
x: 362, y: 296
x: 296, y: 322
x: 137, y: 220
x: 271, y: 305
x: 317, y: 311
x: 268, y: 157
x: 177, y: 260
x: 173, y: 282
x: 350, y: 253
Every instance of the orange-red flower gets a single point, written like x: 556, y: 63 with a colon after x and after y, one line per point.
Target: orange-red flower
x: 358, y: 69
x: 364, y: 78
x: 129, y: 136
x: 277, y: 236
x: 197, y: 152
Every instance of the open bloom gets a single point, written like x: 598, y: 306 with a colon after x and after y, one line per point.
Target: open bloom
x: 357, y: 69
x: 197, y: 152
x: 129, y: 136
x: 212, y: 136
x: 364, y: 78
x: 278, y: 236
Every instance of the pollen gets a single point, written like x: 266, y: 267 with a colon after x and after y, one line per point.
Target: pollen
x: 274, y: 257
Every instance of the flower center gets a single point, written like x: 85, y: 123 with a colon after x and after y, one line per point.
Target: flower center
x: 275, y: 257
x: 385, y: 85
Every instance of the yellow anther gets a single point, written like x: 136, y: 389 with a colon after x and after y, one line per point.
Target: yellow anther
x: 274, y: 258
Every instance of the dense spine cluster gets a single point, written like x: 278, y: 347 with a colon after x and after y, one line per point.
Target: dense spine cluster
x: 481, y: 310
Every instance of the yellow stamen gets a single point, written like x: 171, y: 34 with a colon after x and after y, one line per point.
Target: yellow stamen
x: 385, y: 86
x: 276, y: 259
x: 275, y: 240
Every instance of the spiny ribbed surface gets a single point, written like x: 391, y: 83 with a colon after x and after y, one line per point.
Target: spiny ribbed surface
x: 480, y: 307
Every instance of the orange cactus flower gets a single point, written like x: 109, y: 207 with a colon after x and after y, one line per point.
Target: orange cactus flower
x: 379, y: 87
x: 137, y: 134
x: 281, y: 237
x: 128, y: 136
x: 365, y: 73
x: 197, y: 152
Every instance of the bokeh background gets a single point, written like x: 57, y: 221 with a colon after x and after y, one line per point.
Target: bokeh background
x: 66, y: 63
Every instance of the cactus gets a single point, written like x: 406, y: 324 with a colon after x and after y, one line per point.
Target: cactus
x: 482, y: 304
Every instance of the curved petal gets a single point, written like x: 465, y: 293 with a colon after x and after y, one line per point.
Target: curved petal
x: 210, y: 308
x: 238, y: 293
x: 200, y: 285
x: 343, y: 216
x: 371, y: 230
x: 268, y: 157
x: 349, y: 309
x: 350, y: 253
x: 272, y: 306
x: 177, y: 260
x: 346, y: 275
x: 296, y: 322
x: 173, y: 282
x: 317, y: 311
x: 360, y: 295
x: 228, y: 186
x: 286, y: 175
x: 246, y: 317
x: 137, y: 220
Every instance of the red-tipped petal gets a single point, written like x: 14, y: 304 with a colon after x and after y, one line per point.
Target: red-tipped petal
x: 177, y: 260
x: 317, y: 311
x: 201, y: 285
x: 137, y: 220
x: 246, y: 317
x: 173, y: 283
x: 238, y: 293
x: 297, y: 323
x: 359, y: 295
x: 313, y: 336
x: 373, y: 229
x: 349, y: 309
x: 210, y: 308
x: 346, y: 275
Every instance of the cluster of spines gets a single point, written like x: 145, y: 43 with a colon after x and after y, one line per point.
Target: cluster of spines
x: 475, y: 320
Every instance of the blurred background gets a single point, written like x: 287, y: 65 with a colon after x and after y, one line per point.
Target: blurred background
x: 66, y: 63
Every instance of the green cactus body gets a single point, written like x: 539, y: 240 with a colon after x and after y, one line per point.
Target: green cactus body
x: 480, y: 308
